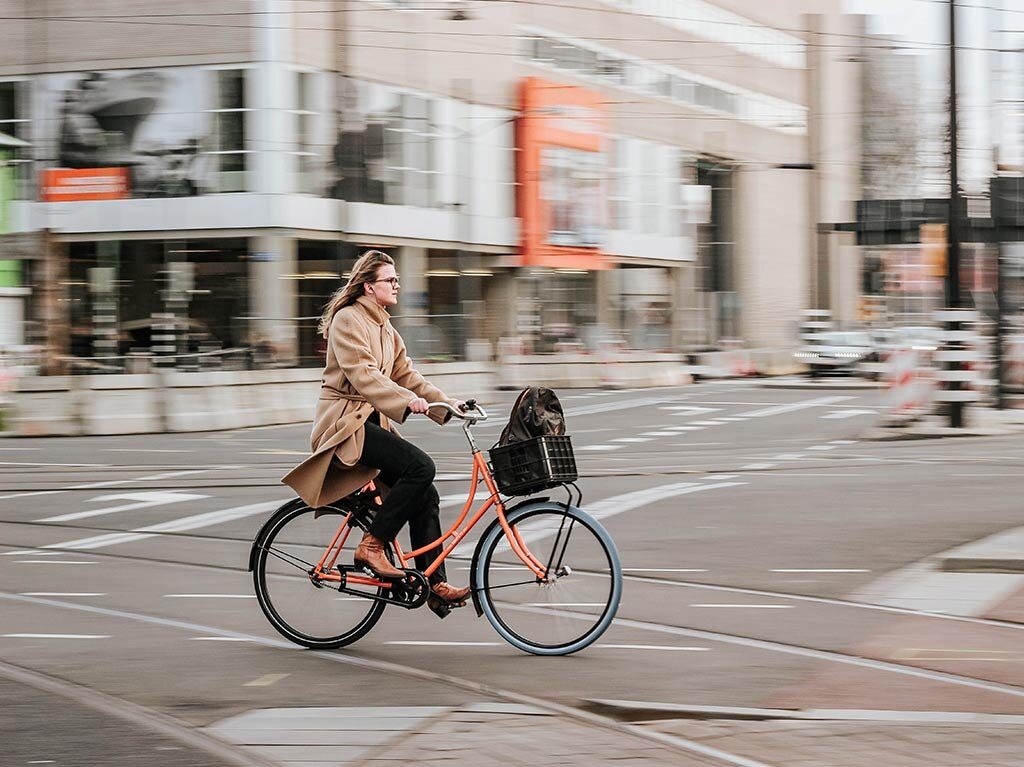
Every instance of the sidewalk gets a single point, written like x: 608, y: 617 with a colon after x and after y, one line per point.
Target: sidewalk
x: 979, y: 422
x: 478, y: 734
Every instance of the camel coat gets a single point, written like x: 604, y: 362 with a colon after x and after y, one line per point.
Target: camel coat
x: 367, y: 370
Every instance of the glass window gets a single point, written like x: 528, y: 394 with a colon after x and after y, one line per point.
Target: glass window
x: 308, y: 161
x: 14, y: 100
x: 572, y: 189
x: 229, y: 130
x: 618, y: 185
x: 387, y: 147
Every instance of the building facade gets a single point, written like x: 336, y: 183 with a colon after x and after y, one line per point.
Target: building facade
x: 564, y: 176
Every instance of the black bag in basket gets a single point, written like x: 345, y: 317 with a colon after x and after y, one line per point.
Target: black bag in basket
x: 536, y: 413
x: 533, y: 452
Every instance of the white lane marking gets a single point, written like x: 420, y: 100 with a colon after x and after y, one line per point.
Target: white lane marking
x: 821, y: 447
x: 140, y: 450
x: 817, y: 570
x: 604, y: 407
x: 743, y: 606
x: 687, y: 428
x: 632, y: 439
x: 843, y: 442
x: 193, y: 522
x: 792, y: 407
x: 220, y: 639
x: 35, y: 449
x: 702, y: 423
x: 457, y: 499
x: 266, y: 680
x: 33, y: 552
x: 757, y: 466
x: 603, y: 448
x: 649, y: 647
x: 114, y: 482
x: 68, y: 465
x: 690, y: 409
x: 564, y: 604
x: 62, y: 594
x: 140, y: 501
x: 56, y: 636
x: 434, y: 643
x: 53, y: 562
x: 789, y: 456
x: 717, y: 477
x: 731, y: 418
x: 659, y: 434
x: 840, y: 414
x: 617, y: 504
x: 209, y: 596
x: 663, y: 570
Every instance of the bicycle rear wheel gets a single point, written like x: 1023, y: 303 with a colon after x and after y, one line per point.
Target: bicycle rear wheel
x: 305, y: 610
x: 574, y: 605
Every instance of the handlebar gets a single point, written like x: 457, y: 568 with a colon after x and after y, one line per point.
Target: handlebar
x: 473, y: 411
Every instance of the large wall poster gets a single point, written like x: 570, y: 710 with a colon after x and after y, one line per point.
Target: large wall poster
x: 154, y: 123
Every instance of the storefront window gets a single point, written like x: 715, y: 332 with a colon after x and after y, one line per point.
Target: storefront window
x: 559, y: 306
x: 115, y: 288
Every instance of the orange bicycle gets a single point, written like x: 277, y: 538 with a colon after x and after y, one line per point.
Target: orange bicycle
x: 545, y: 573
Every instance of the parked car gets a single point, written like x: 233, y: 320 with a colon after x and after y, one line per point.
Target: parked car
x: 838, y: 351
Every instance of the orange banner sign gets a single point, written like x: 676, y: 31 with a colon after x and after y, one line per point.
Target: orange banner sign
x: 67, y: 185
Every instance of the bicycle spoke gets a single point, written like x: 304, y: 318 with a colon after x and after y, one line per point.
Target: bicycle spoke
x: 287, y: 559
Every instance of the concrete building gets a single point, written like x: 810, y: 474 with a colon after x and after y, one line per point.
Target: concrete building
x: 564, y: 174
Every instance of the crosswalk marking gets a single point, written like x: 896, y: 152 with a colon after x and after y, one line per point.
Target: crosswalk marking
x: 793, y: 406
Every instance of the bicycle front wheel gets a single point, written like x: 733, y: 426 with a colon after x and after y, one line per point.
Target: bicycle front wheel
x: 304, y: 609
x: 571, y: 607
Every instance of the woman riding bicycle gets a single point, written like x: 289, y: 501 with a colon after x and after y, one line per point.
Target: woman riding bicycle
x: 368, y: 383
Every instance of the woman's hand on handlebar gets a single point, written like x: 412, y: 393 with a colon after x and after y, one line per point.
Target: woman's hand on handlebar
x: 418, y: 405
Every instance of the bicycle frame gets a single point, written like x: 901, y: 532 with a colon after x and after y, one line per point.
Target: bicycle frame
x: 325, y: 569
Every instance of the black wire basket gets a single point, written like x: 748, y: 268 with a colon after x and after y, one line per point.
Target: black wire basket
x: 527, y: 467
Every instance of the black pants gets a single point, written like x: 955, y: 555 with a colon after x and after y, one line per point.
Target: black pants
x: 409, y: 473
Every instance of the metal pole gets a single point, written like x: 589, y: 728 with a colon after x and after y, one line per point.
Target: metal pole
x: 956, y: 409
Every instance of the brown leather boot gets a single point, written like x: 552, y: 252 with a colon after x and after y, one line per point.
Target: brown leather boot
x: 443, y: 597
x: 370, y: 553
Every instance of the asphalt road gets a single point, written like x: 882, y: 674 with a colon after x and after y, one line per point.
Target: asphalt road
x: 748, y: 521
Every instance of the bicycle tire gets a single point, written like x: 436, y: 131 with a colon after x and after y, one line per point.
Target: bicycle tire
x: 519, y: 616
x: 280, y: 603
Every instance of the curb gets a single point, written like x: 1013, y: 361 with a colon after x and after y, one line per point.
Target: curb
x: 813, y: 384
x: 1002, y: 552
x: 648, y: 711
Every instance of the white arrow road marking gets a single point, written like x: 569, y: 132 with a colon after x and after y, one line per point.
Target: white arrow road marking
x: 609, y: 507
x: 142, y: 501
x: 780, y: 409
x: 208, y: 519
x: 839, y: 414
x: 112, y: 483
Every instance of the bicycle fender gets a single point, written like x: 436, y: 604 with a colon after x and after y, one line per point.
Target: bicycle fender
x: 476, y: 552
x: 258, y: 540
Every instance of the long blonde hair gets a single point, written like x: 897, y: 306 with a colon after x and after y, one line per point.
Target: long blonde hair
x: 365, y: 270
